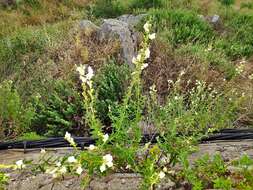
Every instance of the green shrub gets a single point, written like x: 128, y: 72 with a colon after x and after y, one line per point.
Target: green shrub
x: 26, y: 46
x: 14, y: 49
x: 3, y: 180
x: 59, y: 112
x: 110, y: 83
x: 227, y: 2
x: 146, y: 4
x: 208, y: 57
x: 15, y: 118
x: 108, y: 8
x: 238, y: 41
x: 182, y: 26
x: 30, y: 136
x: 248, y: 5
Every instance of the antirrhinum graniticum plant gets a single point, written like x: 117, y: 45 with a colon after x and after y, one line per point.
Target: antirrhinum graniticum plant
x: 133, y: 99
x: 89, y: 99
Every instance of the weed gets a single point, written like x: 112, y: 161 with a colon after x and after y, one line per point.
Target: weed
x: 15, y: 118
x: 182, y: 26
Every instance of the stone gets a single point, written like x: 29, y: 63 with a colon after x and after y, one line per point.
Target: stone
x: 113, y: 29
x: 88, y: 27
x: 166, y: 184
x: 132, y: 20
x: 215, y: 19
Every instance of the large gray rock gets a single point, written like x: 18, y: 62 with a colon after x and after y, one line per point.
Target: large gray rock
x: 88, y: 27
x: 113, y: 29
x: 132, y: 20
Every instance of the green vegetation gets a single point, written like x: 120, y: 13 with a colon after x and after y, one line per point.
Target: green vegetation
x: 15, y: 118
x: 192, y: 78
x: 110, y: 83
x: 59, y: 112
x: 214, y: 172
x: 3, y: 180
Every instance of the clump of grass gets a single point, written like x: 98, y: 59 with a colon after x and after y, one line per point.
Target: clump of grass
x: 32, y: 136
x: 182, y: 26
x: 32, y: 12
x: 25, y: 47
x: 237, y: 42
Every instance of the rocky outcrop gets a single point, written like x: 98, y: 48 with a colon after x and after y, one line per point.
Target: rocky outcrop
x: 113, y: 29
x: 88, y: 27
x: 132, y: 20
x: 120, y: 29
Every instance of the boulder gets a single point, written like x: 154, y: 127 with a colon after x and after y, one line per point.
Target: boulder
x: 113, y: 29
x: 132, y: 20
x: 88, y: 27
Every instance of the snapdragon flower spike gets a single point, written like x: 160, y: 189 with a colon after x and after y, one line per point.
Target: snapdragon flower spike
x: 147, y: 26
x: 144, y: 53
x: 70, y: 139
x: 85, y: 78
x: 105, y: 137
x: 81, y: 70
x: 152, y: 36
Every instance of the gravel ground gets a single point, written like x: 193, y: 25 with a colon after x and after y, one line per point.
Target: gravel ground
x: 119, y: 181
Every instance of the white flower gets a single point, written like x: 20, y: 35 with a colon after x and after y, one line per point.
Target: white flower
x: 70, y: 139
x: 128, y: 166
x: 92, y: 147
x: 107, y: 159
x: 105, y: 137
x: 165, y: 169
x: 79, y: 170
x: 43, y: 151
x: 147, y: 26
x: 63, y: 170
x: 81, y: 70
x: 182, y: 73
x: 161, y: 174
x: 139, y: 57
x: 83, y: 79
x: 152, y: 36
x: 102, y: 168
x: 72, y: 159
x: 58, y: 164
x: 147, y: 53
x: 20, y: 164
x: 67, y: 135
x: 90, y: 73
x: 144, y: 66
x: 134, y: 60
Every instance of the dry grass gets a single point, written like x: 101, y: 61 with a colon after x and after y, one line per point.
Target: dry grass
x: 48, y: 11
